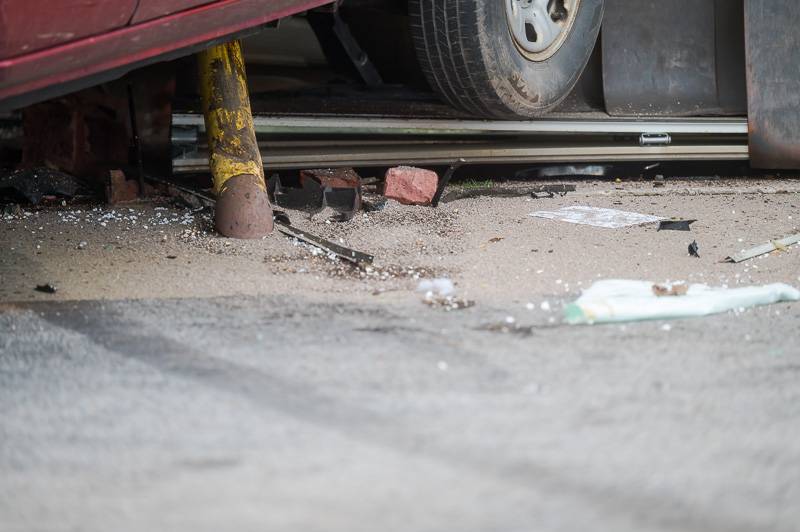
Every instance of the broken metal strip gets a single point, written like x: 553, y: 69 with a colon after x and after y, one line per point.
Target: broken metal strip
x: 675, y: 225
x: 417, y: 126
x: 498, y: 153
x: 350, y: 255
x: 763, y: 249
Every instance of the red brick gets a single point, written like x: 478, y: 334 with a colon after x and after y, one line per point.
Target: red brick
x: 411, y: 186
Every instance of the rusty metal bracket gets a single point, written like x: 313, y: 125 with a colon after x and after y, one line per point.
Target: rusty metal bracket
x: 445, y: 181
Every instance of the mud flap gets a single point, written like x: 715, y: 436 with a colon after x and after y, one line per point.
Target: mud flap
x: 676, y: 58
x: 773, y: 82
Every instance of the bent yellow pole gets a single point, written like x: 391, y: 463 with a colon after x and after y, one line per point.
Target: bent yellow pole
x: 243, y: 209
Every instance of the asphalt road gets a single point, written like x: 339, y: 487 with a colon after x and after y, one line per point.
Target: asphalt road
x: 308, y: 413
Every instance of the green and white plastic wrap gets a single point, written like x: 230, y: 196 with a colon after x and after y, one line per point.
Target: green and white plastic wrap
x: 615, y: 300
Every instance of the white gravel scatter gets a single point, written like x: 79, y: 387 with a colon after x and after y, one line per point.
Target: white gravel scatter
x: 127, y: 217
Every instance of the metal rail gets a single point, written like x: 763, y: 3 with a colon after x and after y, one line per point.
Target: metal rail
x: 423, y: 126
x: 367, y: 141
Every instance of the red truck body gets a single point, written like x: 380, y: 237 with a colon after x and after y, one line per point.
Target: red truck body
x: 50, y: 48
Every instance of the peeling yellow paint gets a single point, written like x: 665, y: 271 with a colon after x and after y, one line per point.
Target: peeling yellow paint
x: 233, y: 149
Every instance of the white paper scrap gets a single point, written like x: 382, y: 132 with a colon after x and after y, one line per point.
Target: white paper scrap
x: 597, y: 216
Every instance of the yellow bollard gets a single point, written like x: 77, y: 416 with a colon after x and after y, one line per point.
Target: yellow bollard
x: 243, y: 209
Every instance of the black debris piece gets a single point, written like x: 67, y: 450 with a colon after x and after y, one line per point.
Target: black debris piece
x: 32, y: 184
x: 549, y: 191
x: 344, y: 201
x: 330, y: 193
x: 675, y: 225
x: 694, y: 249
x: 282, y: 217
x: 46, y: 288
x: 309, y: 197
x: 376, y: 205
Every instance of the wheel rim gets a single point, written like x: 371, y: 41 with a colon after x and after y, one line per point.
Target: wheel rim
x: 539, y: 27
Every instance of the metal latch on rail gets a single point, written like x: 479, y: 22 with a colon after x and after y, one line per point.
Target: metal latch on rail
x: 655, y: 139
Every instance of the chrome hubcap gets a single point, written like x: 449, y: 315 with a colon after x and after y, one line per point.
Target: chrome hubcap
x: 540, y: 26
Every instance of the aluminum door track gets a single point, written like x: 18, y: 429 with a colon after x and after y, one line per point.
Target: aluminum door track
x: 421, y: 126
x: 289, y: 142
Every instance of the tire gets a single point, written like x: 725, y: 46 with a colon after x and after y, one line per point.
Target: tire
x: 470, y: 57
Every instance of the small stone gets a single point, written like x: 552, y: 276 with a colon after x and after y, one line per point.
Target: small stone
x: 82, y: 244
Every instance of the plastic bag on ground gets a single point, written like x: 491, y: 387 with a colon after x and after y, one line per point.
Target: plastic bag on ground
x: 597, y: 216
x: 613, y: 300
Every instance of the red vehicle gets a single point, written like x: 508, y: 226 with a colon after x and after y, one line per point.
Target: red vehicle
x: 498, y: 59
x: 49, y: 48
